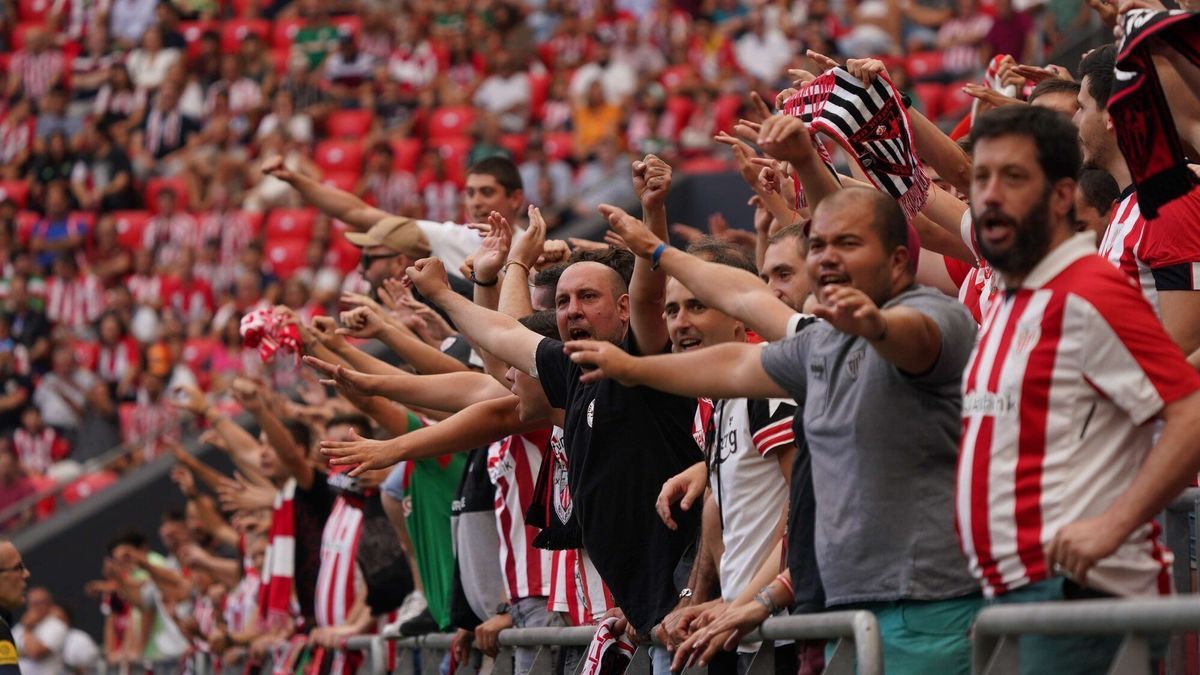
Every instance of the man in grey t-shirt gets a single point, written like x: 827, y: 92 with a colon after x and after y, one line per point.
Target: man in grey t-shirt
x: 878, y: 383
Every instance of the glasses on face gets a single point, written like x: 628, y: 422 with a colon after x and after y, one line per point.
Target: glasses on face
x: 368, y: 259
x: 19, y: 567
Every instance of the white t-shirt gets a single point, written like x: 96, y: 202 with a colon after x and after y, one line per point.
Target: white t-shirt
x: 452, y: 242
x: 52, y: 633
x: 80, y: 650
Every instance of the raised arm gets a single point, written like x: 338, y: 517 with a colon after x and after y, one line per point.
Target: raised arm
x: 647, y: 288
x: 241, y: 447
x: 731, y: 370
x: 472, y: 427
x: 729, y: 290
x: 281, y: 441
x: 494, y: 332
x: 449, y: 392
x: 331, y: 201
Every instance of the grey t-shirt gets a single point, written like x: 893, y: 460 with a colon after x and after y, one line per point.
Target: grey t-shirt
x: 884, y: 448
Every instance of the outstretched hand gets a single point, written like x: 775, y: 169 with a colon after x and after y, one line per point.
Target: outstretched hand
x: 341, y: 377
x: 493, y: 252
x: 640, y: 240
x: 363, y: 453
x: 852, y: 312
x: 600, y: 360
x: 274, y: 166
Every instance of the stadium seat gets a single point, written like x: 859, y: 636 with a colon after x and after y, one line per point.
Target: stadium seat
x: 343, y: 255
x: 45, y: 507
x: 681, y: 107
x: 5, y: 60
x: 88, y: 486
x: 255, y: 218
x: 34, y: 10
x: 728, y: 106
x: 676, y: 76
x: 342, y: 180
x: 349, y: 123
x: 286, y: 256
x: 16, y: 190
x: 558, y: 144
x: 177, y: 184
x: 88, y: 218
x: 956, y: 102
x: 130, y: 226
x: 25, y: 222
x: 454, y: 151
x: 407, y: 151
x: 290, y: 224
x: 233, y: 31
x: 539, y: 89
x: 515, y: 144
x: 932, y: 95
x: 451, y: 121
x: 192, y: 31
x: 339, y: 155
x: 349, y: 24
x: 284, y: 32
x: 125, y: 417
x: 924, y: 65
x: 704, y: 165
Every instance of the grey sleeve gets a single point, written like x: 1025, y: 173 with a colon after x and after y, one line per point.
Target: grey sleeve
x: 958, y: 331
x: 786, y: 362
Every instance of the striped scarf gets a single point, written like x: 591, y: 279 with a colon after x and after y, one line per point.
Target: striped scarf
x: 870, y: 123
x: 279, y: 565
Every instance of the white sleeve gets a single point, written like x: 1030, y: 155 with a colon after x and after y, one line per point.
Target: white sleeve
x: 450, y: 242
x: 966, y: 230
x: 53, y: 634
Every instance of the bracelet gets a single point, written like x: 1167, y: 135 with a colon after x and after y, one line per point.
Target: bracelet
x: 654, y: 257
x: 764, y: 598
x: 517, y: 262
x: 487, y: 284
x: 785, y: 580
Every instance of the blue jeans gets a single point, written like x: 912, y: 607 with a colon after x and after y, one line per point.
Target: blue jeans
x: 532, y: 613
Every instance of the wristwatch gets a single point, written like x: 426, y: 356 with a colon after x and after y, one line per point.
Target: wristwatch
x: 502, y: 608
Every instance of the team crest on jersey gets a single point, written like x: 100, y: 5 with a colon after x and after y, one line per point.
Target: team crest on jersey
x: 854, y: 363
x: 8, y: 653
x: 562, y: 493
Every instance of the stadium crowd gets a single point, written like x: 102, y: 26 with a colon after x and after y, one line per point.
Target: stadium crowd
x: 341, y: 243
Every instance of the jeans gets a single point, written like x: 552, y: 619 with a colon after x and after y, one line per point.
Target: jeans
x: 660, y: 660
x: 924, y: 636
x: 532, y: 613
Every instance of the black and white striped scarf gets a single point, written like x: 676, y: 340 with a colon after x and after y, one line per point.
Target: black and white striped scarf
x: 870, y: 122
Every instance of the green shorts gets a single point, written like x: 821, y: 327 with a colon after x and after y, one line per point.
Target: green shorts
x: 924, y: 636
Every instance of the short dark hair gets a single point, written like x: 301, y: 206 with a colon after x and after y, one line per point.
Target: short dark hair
x: 1054, y: 136
x: 502, y: 169
x: 619, y: 259
x: 888, y: 219
x: 130, y: 537
x: 797, y: 231
x: 723, y: 253
x: 173, y: 516
x: 1053, y: 85
x: 1099, y: 189
x: 1098, y: 67
x: 543, y: 323
x: 300, y: 432
x: 549, y: 276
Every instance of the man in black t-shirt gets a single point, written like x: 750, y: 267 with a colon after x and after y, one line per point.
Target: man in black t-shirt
x: 623, y: 442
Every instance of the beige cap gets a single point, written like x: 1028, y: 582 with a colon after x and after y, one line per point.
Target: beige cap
x: 393, y: 232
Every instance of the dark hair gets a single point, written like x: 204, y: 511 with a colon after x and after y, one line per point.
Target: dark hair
x: 888, y: 221
x: 1098, y: 67
x: 549, y: 276
x: 1099, y: 189
x: 543, y: 323
x: 797, y: 231
x: 300, y: 432
x: 1054, y: 136
x: 502, y: 169
x: 619, y: 259
x: 173, y: 516
x: 130, y: 537
x: 722, y: 253
x: 1054, y: 85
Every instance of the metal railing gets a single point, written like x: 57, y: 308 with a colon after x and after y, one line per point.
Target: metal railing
x: 858, y: 647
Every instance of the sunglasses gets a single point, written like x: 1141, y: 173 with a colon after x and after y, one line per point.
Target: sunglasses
x: 367, y: 259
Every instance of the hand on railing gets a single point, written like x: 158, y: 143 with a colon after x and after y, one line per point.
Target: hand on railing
x: 725, y: 631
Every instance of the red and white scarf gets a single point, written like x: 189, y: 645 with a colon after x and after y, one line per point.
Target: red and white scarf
x: 280, y: 562
x: 262, y: 329
x: 870, y: 122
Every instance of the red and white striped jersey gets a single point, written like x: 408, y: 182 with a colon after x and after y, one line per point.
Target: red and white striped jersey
x: 153, y: 424
x: 1068, y: 369
x: 978, y: 289
x: 231, y: 228
x: 335, y: 580
x: 167, y: 235
x: 442, y: 200
x: 114, y: 362
x: 37, y: 451
x: 241, y: 605
x: 513, y: 466
x: 146, y: 289
x: 15, y: 138
x: 75, y: 303
x: 37, y: 71
x: 192, y: 301
x: 205, y: 612
x: 576, y: 588
x: 394, y: 191
x: 1122, y: 240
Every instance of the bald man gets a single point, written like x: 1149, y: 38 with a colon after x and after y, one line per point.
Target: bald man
x: 13, y: 577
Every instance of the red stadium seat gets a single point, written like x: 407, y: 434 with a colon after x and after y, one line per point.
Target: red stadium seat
x: 88, y: 218
x: 347, y: 24
x: 454, y: 153
x: 125, y: 416
x: 233, y: 31
x: 25, y: 222
x: 284, y: 32
x: 177, y: 185
x: 924, y: 65
x: 130, y: 226
x: 681, y: 107
x: 286, y: 256
x: 343, y: 255
x: 676, y: 76
x: 515, y: 144
x: 16, y: 190
x: 45, y: 506
x: 88, y: 486
x: 407, y: 151
x: 255, y: 218
x: 339, y: 155
x: 704, y: 165
x: 539, y: 89
x: 34, y: 10
x: 285, y: 224
x: 932, y: 95
x: 349, y: 123
x: 192, y: 31
x: 956, y: 102
x: 342, y: 180
x: 17, y: 37
x: 451, y: 121
x: 5, y: 60
x: 727, y: 106
x: 558, y: 144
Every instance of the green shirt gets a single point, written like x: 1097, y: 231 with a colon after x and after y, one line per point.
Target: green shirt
x: 315, y: 42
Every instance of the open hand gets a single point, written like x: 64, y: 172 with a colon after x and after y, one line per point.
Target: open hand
x: 532, y: 243
x: 345, y: 379
x: 850, y: 311
x: 634, y: 232
x: 493, y: 252
x: 274, y: 166
x: 363, y: 454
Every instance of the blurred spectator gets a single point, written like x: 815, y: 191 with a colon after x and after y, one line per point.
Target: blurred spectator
x: 37, y: 67
x: 16, y: 138
x: 52, y: 115
x: 763, y: 50
x: 102, y: 178
x: 118, y: 361
x: 617, y: 79
x: 38, y: 446
x: 59, y: 231
x: 146, y: 282
x: 596, y: 122
x: 27, y: 323
x: 148, y: 64
x: 1012, y: 34
x: 118, y: 100
x: 128, y: 20
x: 443, y: 198
x: 226, y: 225
x: 256, y: 62
x: 154, y: 424
x: 164, y: 134
x: 413, y: 64
x: 245, y: 96
x: 347, y: 74
x: 487, y: 140
x: 283, y: 116
x: 14, y: 486
x: 961, y: 38
x: 167, y: 20
x: 696, y: 137
x: 597, y: 182
x: 106, y: 257
x: 557, y: 111
x: 191, y: 298
x: 81, y: 654
x: 170, y: 231
x: 390, y: 189
x: 505, y: 93
x: 538, y: 166
x: 40, y: 636
x: 62, y: 393
x: 16, y: 391
x: 74, y: 297
x: 318, y: 37
x: 53, y: 164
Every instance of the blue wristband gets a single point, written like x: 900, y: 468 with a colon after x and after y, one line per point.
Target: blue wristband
x: 654, y: 257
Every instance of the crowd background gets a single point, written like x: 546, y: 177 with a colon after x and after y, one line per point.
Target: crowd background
x: 136, y: 229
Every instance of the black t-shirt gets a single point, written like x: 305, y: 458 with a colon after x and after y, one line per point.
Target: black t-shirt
x: 312, y: 508
x: 623, y: 443
x: 9, y: 385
